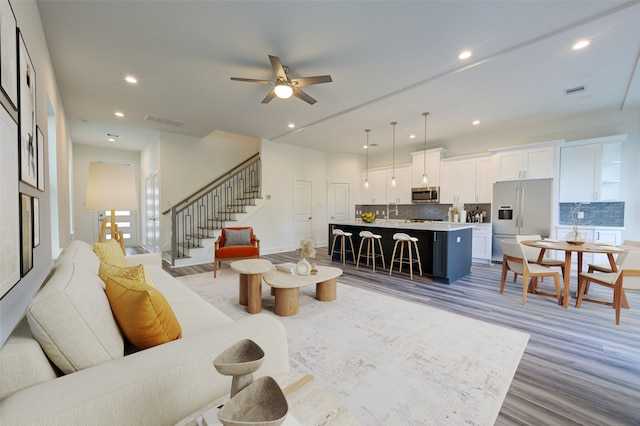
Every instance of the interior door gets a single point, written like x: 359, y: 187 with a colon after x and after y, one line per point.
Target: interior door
x: 339, y: 201
x: 152, y: 203
x: 303, y: 209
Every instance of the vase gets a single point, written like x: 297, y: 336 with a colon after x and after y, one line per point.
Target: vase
x: 576, y: 237
x: 303, y: 267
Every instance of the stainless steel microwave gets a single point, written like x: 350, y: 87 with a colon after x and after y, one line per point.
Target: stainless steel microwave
x: 429, y: 194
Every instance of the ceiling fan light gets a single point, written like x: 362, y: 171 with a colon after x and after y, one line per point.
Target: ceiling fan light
x: 283, y: 90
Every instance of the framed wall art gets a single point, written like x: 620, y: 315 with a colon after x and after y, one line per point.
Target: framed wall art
x: 9, y: 209
x: 35, y: 211
x: 26, y: 233
x: 40, y: 158
x: 27, y: 116
x: 8, y: 53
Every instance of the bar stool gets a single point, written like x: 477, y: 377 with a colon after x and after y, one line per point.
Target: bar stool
x: 404, y: 239
x: 339, y: 233
x: 371, y: 254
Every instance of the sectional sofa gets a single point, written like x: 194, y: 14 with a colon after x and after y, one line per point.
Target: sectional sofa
x: 67, y: 362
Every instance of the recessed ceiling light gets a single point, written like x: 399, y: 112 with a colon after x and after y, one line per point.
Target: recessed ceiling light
x: 581, y: 44
x: 475, y: 122
x: 465, y: 54
x: 111, y: 140
x: 291, y: 125
x: 131, y: 79
x: 118, y: 114
x: 412, y: 136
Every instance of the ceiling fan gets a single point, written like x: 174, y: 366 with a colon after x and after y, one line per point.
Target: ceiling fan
x: 285, y: 86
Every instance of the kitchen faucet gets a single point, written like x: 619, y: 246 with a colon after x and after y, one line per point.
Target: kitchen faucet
x: 393, y: 210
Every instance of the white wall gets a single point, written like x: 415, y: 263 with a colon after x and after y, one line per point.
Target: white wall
x: 187, y: 164
x: 14, y: 303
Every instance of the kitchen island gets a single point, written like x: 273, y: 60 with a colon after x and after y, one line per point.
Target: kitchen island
x: 445, y: 248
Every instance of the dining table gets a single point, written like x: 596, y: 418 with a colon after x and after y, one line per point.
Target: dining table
x: 569, y: 247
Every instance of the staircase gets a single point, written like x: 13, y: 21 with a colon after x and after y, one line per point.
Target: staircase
x: 197, y: 220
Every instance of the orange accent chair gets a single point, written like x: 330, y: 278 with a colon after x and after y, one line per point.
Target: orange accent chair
x: 235, y: 244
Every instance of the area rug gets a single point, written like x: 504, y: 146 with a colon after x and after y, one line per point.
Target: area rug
x: 389, y: 361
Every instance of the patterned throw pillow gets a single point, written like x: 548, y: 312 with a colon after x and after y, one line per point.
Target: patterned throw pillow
x: 110, y: 252
x: 142, y: 312
x: 135, y: 273
x: 237, y: 237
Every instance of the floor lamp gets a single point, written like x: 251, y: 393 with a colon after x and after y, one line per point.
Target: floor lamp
x: 111, y: 187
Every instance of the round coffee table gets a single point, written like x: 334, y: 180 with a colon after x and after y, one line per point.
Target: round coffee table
x: 250, y: 286
x: 286, y: 287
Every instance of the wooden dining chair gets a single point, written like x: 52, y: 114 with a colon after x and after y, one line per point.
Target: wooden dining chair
x: 515, y: 260
x: 532, y: 254
x: 626, y: 278
x: 605, y: 267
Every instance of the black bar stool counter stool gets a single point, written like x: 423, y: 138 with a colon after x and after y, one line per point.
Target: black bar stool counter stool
x: 371, y: 254
x: 405, y: 240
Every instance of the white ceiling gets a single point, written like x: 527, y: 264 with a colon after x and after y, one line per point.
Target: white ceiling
x: 389, y: 60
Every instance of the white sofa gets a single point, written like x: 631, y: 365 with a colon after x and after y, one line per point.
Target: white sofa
x: 77, y: 334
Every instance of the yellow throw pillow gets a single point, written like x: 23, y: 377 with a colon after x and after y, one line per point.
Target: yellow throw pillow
x: 143, y: 314
x: 135, y: 273
x: 110, y: 252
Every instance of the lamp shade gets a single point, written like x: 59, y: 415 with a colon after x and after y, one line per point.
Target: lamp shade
x: 111, y: 186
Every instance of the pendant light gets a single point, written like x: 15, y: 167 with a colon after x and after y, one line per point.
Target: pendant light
x: 393, y: 170
x: 425, y: 181
x: 366, y: 176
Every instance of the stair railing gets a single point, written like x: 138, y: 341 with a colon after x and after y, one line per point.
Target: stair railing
x: 208, y: 209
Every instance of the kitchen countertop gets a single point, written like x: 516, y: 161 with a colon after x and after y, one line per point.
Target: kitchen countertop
x: 401, y: 224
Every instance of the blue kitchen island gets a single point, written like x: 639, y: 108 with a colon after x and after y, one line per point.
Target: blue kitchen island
x: 445, y: 248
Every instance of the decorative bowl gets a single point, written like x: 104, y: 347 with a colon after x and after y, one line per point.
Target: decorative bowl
x: 261, y: 403
x: 368, y: 217
x: 244, y: 357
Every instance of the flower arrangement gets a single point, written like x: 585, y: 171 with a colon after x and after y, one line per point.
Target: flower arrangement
x: 576, y: 237
x: 308, y: 248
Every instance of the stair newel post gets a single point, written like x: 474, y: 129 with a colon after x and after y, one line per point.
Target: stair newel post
x: 174, y: 233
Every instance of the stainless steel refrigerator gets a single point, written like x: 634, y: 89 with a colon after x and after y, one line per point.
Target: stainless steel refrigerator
x: 520, y: 208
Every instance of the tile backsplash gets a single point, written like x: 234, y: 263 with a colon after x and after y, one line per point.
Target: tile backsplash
x: 421, y: 211
x: 595, y: 214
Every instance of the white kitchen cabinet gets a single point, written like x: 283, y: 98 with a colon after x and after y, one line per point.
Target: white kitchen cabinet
x: 590, y: 170
x: 484, y: 179
x: 401, y: 193
x: 481, y: 243
x: 605, y: 235
x: 433, y: 158
x: 594, y: 235
x: 466, y: 180
x: 535, y: 161
x: 380, y: 190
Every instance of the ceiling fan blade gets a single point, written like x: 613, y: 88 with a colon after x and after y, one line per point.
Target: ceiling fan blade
x: 306, y: 81
x: 302, y: 95
x: 252, y: 80
x: 270, y: 96
x: 278, y: 69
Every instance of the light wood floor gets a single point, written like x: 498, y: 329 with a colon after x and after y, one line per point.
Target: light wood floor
x: 578, y: 367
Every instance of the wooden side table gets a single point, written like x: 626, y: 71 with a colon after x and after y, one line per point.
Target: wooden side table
x: 250, y: 282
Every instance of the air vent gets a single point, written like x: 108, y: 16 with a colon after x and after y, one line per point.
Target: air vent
x: 161, y: 120
x: 574, y: 90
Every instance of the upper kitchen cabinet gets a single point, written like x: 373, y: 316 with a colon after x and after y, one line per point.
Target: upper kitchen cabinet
x: 433, y: 158
x: 534, y: 161
x: 590, y: 170
x: 466, y: 179
x: 380, y: 190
